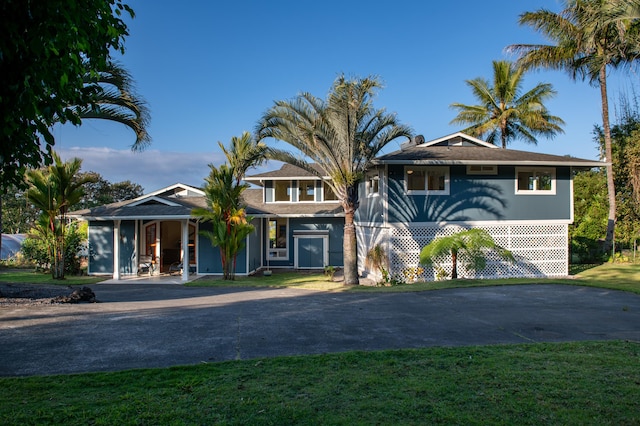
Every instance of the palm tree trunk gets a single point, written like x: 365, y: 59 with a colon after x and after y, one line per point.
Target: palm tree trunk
x: 350, y: 247
x: 454, y: 264
x: 611, y: 189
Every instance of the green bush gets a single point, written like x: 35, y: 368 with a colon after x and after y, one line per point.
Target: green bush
x: 39, y: 249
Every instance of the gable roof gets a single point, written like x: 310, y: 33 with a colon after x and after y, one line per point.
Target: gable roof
x: 173, y: 202
x: 459, y: 148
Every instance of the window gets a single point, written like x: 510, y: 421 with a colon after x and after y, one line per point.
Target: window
x: 306, y: 190
x: 278, y: 236
x: 481, y: 169
x: 431, y: 180
x: 373, y: 184
x: 535, y: 181
x: 282, y: 190
x: 329, y: 194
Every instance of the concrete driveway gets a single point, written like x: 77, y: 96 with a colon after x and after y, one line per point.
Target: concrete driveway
x: 148, y: 325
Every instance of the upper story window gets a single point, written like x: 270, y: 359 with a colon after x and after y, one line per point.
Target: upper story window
x: 306, y: 190
x: 282, y: 189
x: 372, y: 184
x: 427, y: 180
x: 537, y: 180
x: 329, y: 193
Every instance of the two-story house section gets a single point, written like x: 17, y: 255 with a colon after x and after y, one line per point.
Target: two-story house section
x: 408, y: 198
x: 301, y: 220
x: 436, y: 188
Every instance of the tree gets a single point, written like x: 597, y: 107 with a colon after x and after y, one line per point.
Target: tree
x: 469, y: 245
x: 115, y: 100
x: 341, y: 136
x: 47, y: 49
x: 503, y: 113
x: 243, y: 154
x: 587, y: 37
x: 53, y: 190
x: 225, y: 209
x: 99, y: 191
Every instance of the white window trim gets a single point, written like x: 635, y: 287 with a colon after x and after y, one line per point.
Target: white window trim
x: 284, y: 250
x: 371, y: 176
x: 290, y: 186
x: 324, y: 185
x: 447, y: 178
x: 485, y: 169
x: 299, y: 191
x: 550, y: 170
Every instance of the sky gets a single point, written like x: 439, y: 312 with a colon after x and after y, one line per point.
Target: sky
x: 209, y: 69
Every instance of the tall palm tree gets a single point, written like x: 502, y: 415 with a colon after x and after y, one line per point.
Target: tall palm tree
x: 341, y: 135
x: 114, y: 99
x: 586, y: 38
x: 503, y: 113
x: 53, y: 190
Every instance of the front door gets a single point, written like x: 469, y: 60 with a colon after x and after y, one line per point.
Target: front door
x: 311, y: 252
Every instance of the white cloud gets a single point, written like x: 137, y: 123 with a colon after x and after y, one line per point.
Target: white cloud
x: 152, y: 169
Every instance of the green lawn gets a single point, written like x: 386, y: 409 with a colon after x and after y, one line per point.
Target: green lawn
x: 31, y: 277
x: 550, y: 383
x: 568, y: 383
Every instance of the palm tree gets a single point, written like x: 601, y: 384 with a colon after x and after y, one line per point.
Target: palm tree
x: 53, y: 190
x: 114, y: 100
x: 470, y: 244
x: 587, y: 38
x: 503, y: 114
x: 225, y: 210
x: 243, y: 154
x: 341, y: 135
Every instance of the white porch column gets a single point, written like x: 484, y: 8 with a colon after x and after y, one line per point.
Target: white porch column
x: 116, y: 249
x: 185, y: 250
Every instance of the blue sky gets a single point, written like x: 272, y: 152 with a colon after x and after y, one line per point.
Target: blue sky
x: 210, y: 69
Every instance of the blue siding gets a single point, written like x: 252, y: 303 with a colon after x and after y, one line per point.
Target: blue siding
x: 253, y: 246
x: 371, y: 209
x: 101, y: 247
x: 209, y: 256
x: 127, y: 247
x: 478, y: 198
x: 335, y: 227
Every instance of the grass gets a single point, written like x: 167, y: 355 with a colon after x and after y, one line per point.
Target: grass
x: 625, y: 277
x: 559, y: 383
x: 30, y: 277
x: 546, y: 383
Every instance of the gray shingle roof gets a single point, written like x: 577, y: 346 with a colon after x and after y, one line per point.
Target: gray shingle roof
x: 479, y: 155
x: 287, y: 171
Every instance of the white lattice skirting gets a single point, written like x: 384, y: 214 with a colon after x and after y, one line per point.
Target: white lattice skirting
x: 541, y: 250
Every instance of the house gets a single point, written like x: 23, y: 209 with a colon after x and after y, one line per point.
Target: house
x: 424, y: 190
x: 524, y: 200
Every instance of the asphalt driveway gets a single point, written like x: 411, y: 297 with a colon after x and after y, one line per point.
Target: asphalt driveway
x: 147, y: 325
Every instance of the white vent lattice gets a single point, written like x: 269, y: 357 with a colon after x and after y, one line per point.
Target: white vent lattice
x: 540, y: 249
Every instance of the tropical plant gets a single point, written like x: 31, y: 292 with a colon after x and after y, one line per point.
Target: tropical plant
x: 377, y: 258
x: 587, y: 37
x: 225, y: 209
x: 38, y: 246
x: 114, y: 99
x: 470, y: 246
x: 243, y: 154
x: 504, y: 113
x: 340, y: 136
x: 53, y: 190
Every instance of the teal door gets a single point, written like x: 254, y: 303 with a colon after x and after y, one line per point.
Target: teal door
x: 311, y: 252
